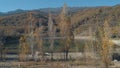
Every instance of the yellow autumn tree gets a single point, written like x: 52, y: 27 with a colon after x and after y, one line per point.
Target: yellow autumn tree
x: 39, y: 41
x: 23, y: 48
x: 105, y: 44
x: 66, y: 31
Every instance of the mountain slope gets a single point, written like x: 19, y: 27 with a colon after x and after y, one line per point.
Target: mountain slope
x: 91, y: 16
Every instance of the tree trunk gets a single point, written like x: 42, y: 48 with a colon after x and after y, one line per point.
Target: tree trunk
x: 51, y: 56
x: 106, y: 65
x: 66, y: 55
x: 1, y: 53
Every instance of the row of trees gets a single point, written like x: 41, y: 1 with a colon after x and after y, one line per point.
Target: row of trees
x: 103, y: 46
x: 34, y: 38
x: 100, y: 48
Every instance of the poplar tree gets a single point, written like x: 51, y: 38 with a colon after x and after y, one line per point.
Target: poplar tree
x: 51, y: 31
x: 39, y: 41
x: 105, y: 44
x: 23, y: 48
x: 66, y: 31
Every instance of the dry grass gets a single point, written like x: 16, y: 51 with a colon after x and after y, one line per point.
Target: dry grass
x: 44, y: 65
x: 55, y: 64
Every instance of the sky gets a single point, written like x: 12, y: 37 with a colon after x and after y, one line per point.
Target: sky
x: 10, y: 5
